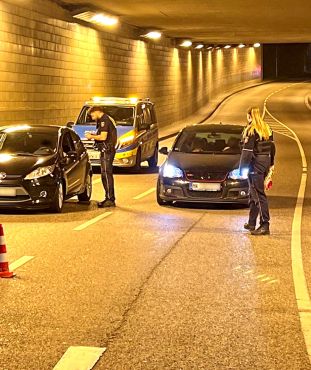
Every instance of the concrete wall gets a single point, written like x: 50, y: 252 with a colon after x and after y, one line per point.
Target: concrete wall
x: 49, y: 65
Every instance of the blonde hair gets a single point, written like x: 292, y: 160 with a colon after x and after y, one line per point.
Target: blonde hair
x: 257, y: 125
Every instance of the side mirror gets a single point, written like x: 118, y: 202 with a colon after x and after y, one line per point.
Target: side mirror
x: 164, y: 151
x: 70, y: 124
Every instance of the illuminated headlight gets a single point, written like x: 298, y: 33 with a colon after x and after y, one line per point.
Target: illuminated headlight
x: 171, y: 171
x: 236, y: 175
x: 40, y: 172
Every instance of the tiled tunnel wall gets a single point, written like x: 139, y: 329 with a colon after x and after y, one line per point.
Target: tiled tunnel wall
x: 49, y: 65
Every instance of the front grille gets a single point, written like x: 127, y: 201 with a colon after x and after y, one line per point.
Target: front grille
x: 204, y: 194
x: 205, y: 175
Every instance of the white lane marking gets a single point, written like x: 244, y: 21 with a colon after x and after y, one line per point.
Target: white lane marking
x: 92, y: 221
x: 307, y: 103
x: 20, y: 262
x: 152, y: 190
x: 97, y: 181
x: 299, y: 278
x: 79, y: 358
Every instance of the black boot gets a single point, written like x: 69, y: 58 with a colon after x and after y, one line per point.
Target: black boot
x: 106, y: 203
x: 262, y: 230
x: 249, y: 227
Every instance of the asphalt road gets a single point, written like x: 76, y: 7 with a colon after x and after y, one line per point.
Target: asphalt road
x: 163, y: 287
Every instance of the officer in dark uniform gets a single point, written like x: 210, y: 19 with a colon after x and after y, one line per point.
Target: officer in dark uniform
x: 258, y: 156
x: 105, y: 141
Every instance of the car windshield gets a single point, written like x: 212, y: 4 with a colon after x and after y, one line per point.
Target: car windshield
x: 216, y: 142
x: 123, y: 116
x: 28, y: 142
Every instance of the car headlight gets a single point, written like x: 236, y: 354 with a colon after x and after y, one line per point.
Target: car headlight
x: 236, y: 175
x: 171, y: 171
x: 127, y: 139
x: 40, y: 172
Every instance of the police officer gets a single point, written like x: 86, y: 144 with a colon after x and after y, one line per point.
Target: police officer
x: 258, y: 157
x: 105, y: 141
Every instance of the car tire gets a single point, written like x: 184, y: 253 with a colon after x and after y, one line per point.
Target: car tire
x: 160, y: 201
x: 137, y: 166
x: 58, y: 202
x: 87, y: 193
x: 153, y: 161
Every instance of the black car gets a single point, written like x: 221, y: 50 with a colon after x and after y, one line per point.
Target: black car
x: 41, y: 166
x: 202, y: 167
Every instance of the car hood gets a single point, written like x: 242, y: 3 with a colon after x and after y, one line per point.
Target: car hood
x: 81, y: 129
x: 22, y: 165
x: 210, y: 162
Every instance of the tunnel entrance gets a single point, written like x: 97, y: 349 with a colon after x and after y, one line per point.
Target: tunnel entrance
x: 286, y: 61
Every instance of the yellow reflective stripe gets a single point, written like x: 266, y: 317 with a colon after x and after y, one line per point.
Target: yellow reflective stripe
x: 127, y: 154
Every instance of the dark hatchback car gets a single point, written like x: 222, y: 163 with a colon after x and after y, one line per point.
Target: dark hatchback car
x: 41, y: 166
x: 202, y: 167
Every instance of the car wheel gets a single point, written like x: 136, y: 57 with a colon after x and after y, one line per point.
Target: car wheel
x: 153, y: 161
x: 137, y: 166
x: 87, y: 193
x: 58, y: 201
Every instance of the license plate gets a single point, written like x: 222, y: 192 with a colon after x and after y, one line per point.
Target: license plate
x: 94, y: 154
x: 199, y: 186
x: 7, y: 192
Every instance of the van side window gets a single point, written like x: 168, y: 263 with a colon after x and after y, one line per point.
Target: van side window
x: 153, y: 113
x: 147, y: 114
x: 139, y: 117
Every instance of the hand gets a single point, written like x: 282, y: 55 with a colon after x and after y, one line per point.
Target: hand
x: 88, y: 136
x: 271, y: 168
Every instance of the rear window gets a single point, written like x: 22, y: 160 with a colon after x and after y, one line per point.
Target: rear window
x: 218, y: 142
x: 123, y: 116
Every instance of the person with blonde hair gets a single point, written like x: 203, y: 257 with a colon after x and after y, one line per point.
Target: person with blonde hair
x: 258, y: 157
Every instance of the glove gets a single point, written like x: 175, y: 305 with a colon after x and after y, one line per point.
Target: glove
x: 268, y: 179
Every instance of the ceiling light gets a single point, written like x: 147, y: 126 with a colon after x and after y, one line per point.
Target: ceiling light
x: 153, y: 35
x: 200, y: 46
x: 101, y: 19
x: 256, y: 45
x: 210, y: 48
x: 106, y: 20
x: 227, y: 46
x: 186, y: 44
x: 241, y: 46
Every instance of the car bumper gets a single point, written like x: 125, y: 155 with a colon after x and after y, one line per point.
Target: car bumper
x: 123, y: 159
x: 32, y: 194
x: 179, y: 191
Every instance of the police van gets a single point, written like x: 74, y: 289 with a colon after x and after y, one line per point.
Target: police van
x: 137, y: 130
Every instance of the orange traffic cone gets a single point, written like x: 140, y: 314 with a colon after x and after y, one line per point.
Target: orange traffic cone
x: 4, y: 264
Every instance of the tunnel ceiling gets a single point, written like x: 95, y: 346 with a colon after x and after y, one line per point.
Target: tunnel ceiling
x: 213, y: 21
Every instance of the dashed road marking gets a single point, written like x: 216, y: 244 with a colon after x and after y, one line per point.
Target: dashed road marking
x: 20, y: 262
x: 92, y: 221
x: 307, y: 101
x: 150, y: 191
x: 79, y: 358
x: 97, y: 181
x: 299, y: 278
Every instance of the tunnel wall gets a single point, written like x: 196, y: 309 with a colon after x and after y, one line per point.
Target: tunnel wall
x: 49, y: 65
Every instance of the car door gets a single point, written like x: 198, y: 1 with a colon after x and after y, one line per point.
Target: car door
x: 154, y: 131
x: 83, y: 161
x: 70, y: 163
x: 146, y: 131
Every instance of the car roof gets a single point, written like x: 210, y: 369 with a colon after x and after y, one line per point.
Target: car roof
x: 214, y: 127
x: 38, y: 128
